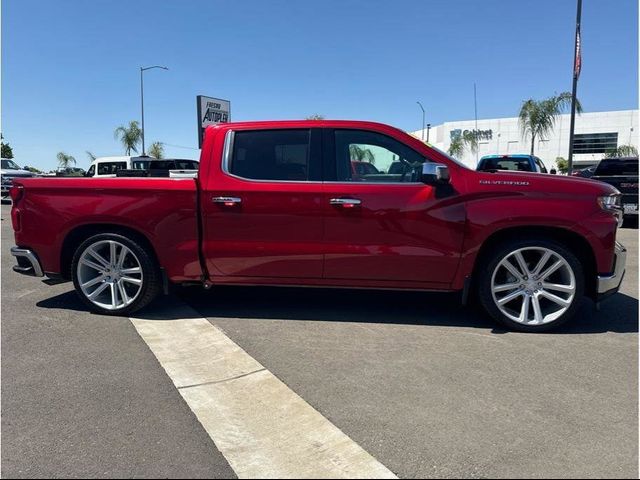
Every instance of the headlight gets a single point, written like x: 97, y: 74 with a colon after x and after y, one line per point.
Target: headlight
x: 612, y: 203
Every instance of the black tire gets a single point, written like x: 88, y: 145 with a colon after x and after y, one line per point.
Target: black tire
x: 151, y: 276
x: 489, y: 263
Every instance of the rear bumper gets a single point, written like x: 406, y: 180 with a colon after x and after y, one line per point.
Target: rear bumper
x: 28, y: 263
x: 610, y: 284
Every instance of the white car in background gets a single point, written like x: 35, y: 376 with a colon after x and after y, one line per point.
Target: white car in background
x: 108, y: 166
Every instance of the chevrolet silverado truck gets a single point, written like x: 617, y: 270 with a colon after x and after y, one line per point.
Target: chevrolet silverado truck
x: 279, y: 203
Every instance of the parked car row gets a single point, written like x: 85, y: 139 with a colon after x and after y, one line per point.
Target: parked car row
x: 106, y: 167
x: 126, y: 166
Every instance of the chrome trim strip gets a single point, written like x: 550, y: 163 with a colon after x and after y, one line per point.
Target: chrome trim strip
x: 29, y: 255
x: 607, y: 283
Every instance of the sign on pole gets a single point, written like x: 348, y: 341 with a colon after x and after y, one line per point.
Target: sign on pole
x: 211, y: 111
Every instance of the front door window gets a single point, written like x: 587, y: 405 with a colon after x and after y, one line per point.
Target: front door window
x: 364, y: 156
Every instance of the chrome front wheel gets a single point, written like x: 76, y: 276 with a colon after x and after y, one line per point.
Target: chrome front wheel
x: 533, y: 286
x: 109, y: 275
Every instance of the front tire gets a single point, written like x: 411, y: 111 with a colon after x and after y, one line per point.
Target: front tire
x: 114, y: 275
x: 531, y: 285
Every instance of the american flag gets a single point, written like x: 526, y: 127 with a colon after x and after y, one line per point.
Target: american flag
x: 578, y: 65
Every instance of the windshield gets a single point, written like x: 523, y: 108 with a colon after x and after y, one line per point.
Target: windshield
x: 505, y: 163
x: 10, y: 165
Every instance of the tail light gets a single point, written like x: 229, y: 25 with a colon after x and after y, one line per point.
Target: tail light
x: 16, y: 192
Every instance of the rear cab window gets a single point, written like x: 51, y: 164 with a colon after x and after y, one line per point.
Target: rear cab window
x: 518, y: 164
x: 612, y: 167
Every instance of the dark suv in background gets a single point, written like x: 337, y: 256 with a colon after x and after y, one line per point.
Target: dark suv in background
x: 622, y: 173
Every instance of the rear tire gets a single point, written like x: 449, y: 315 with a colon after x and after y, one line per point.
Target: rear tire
x: 530, y: 285
x: 114, y: 274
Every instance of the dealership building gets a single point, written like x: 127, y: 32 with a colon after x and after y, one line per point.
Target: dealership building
x: 595, y: 134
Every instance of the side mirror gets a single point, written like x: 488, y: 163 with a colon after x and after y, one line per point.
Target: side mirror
x: 434, y: 173
x: 553, y: 171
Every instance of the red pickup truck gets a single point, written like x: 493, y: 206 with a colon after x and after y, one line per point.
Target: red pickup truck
x: 278, y: 203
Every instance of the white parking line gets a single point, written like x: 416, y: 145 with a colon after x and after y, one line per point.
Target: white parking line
x: 261, y: 426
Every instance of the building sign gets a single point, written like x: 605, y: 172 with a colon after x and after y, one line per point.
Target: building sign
x: 211, y: 111
x: 479, y: 134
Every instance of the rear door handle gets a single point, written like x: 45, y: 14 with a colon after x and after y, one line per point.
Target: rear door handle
x: 227, y: 201
x: 346, y: 202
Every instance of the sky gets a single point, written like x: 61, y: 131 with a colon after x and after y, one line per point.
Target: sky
x: 70, y: 68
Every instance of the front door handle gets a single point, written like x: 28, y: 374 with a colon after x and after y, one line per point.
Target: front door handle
x: 346, y: 202
x: 227, y: 201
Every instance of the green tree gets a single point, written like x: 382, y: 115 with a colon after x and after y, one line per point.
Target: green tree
x: 315, y: 116
x: 64, y: 160
x: 156, y: 150
x: 357, y: 153
x: 91, y: 156
x: 562, y: 164
x: 129, y: 136
x: 7, y: 151
x: 32, y: 169
x: 622, y: 151
x: 537, y: 118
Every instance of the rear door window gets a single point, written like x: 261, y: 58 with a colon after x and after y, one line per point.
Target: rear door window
x: 274, y: 155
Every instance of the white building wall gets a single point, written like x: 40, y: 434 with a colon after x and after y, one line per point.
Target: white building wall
x: 506, y: 136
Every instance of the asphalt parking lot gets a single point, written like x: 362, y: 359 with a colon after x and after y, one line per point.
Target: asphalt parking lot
x: 428, y: 388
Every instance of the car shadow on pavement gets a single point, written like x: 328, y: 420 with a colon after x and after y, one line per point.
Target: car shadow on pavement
x: 617, y: 314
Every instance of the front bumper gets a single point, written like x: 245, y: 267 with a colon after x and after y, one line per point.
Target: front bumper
x: 610, y: 284
x: 28, y: 263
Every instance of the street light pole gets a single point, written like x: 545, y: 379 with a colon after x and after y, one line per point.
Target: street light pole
x: 422, y: 108
x: 142, y: 69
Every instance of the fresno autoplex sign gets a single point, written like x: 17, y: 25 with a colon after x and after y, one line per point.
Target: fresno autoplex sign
x: 211, y: 111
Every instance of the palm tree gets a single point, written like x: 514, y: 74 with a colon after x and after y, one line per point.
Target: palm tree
x: 130, y: 136
x: 357, y: 153
x: 91, y: 156
x: 64, y: 160
x: 456, y: 147
x: 537, y: 118
x: 622, y: 151
x: 156, y: 150
x: 315, y: 116
x: 459, y: 143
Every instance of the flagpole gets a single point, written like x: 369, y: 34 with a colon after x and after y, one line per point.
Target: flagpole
x: 577, y: 65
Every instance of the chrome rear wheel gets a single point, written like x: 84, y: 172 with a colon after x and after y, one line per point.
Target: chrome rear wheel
x: 109, y: 275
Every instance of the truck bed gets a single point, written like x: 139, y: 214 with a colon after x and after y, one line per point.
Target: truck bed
x: 164, y: 210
